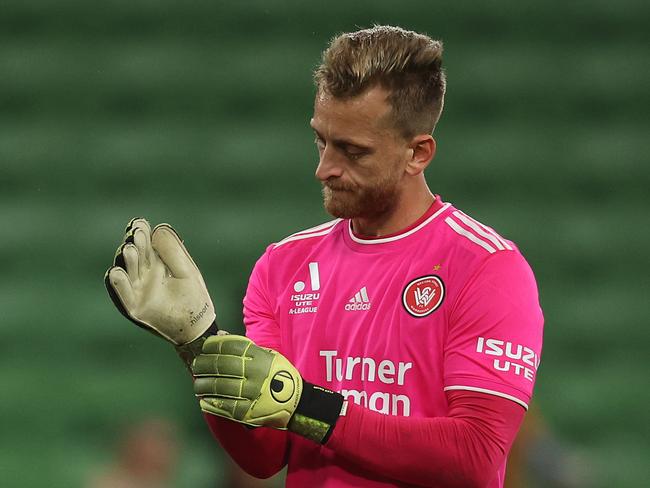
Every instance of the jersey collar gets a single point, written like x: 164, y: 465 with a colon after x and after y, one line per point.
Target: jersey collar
x: 436, y: 208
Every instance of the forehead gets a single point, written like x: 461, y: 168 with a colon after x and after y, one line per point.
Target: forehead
x: 364, y: 116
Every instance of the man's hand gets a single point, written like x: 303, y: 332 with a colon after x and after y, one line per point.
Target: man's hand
x: 154, y: 283
x: 241, y: 381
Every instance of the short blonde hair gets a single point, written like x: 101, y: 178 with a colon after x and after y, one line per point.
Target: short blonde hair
x: 407, y: 64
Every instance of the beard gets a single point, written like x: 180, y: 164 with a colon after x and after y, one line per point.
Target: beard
x: 368, y: 202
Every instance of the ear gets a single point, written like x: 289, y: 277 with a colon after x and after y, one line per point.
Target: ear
x: 423, y: 147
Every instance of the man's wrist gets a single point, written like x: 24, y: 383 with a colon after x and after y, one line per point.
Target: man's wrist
x: 316, y: 413
x: 191, y: 350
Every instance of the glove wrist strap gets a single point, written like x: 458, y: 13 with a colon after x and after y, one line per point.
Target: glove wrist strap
x: 317, y: 413
x: 189, y: 351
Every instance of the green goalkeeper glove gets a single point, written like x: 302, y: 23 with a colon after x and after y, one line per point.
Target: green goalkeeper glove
x: 155, y: 283
x: 241, y: 381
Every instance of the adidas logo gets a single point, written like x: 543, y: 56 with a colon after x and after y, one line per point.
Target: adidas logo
x: 359, y: 301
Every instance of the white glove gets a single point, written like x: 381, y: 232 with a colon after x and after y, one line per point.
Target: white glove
x: 154, y: 283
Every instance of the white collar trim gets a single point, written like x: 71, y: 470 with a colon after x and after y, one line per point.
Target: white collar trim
x: 399, y: 236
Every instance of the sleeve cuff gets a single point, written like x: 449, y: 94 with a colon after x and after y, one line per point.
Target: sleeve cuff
x: 488, y: 387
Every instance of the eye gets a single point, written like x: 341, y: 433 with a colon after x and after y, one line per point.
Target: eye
x: 353, y: 153
x: 320, y: 143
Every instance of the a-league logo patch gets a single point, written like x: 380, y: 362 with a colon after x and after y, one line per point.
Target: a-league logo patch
x: 423, y: 295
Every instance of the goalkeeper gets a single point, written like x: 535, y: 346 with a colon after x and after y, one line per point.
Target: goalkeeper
x: 397, y: 345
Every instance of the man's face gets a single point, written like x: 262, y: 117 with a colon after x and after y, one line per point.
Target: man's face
x: 362, y: 157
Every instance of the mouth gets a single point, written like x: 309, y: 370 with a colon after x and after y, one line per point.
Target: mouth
x: 331, y: 187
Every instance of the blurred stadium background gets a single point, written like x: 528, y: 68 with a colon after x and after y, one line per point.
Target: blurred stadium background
x: 196, y: 113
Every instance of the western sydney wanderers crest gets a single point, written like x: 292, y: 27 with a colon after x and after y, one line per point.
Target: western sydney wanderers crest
x: 423, y: 296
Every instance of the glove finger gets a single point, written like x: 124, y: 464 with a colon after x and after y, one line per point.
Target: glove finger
x: 219, y: 386
x: 142, y: 241
x: 128, y: 235
x: 169, y: 246
x: 118, y: 259
x: 211, y: 364
x: 141, y: 231
x: 225, y: 407
x: 120, y: 289
x: 131, y: 261
x: 137, y: 222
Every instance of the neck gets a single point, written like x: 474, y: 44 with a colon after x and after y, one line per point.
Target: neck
x: 411, y: 205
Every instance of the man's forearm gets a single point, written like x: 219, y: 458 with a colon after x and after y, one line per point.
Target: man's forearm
x: 464, y: 449
x: 261, y: 452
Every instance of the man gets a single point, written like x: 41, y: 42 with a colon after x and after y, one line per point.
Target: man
x: 410, y: 334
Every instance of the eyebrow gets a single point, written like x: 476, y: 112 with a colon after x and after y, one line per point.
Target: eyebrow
x: 341, y: 142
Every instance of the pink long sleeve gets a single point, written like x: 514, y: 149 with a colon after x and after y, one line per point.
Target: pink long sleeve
x: 464, y: 449
x: 261, y: 452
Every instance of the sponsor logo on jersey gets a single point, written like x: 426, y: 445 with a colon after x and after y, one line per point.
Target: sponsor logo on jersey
x: 359, y: 301
x: 509, y: 357
x: 306, y: 302
x: 346, y: 372
x: 423, y: 295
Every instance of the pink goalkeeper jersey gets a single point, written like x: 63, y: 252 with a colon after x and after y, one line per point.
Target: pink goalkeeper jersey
x: 392, y: 323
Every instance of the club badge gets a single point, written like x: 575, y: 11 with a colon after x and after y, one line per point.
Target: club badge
x: 423, y: 295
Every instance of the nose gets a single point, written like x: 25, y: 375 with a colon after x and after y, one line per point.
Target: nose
x: 328, y: 166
